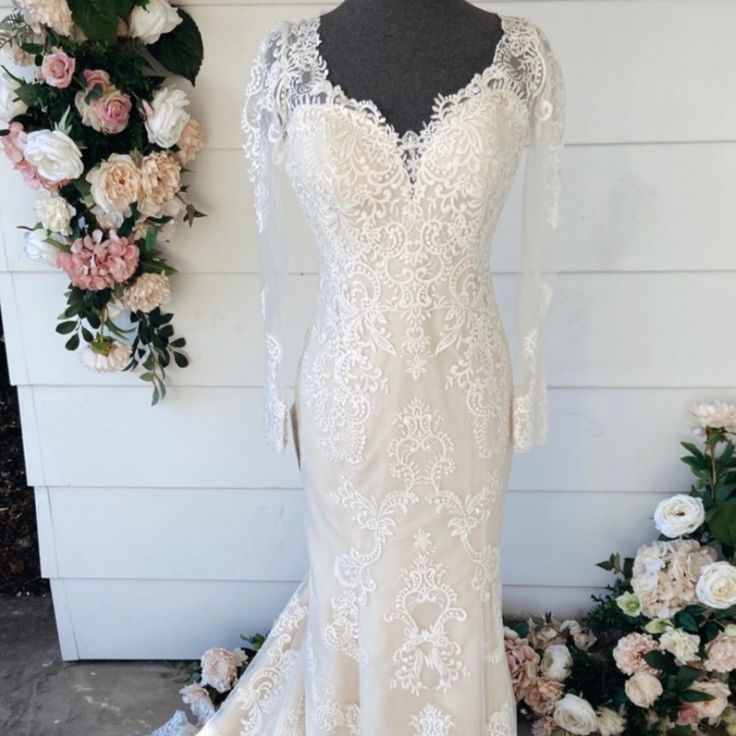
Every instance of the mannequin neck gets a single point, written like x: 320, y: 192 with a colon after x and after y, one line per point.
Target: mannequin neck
x: 408, y: 7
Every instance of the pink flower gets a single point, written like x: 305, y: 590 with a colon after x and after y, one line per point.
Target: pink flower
x: 687, y: 715
x: 57, y: 69
x: 97, y: 76
x: 113, y: 111
x: 95, y: 263
x: 13, y: 145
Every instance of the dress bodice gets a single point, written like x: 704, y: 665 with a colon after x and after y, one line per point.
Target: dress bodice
x: 404, y: 223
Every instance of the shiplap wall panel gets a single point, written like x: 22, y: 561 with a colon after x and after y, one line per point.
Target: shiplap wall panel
x: 133, y: 519
x: 600, y: 440
x: 649, y: 178
x: 627, y: 208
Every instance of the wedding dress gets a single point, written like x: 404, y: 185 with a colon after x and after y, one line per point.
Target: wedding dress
x: 405, y: 414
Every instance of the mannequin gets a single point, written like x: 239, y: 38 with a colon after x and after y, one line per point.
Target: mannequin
x: 401, y: 53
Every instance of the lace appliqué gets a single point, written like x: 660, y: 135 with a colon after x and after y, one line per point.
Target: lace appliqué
x: 431, y: 721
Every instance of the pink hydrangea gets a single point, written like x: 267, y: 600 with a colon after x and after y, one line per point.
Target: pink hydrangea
x: 96, y: 262
x: 13, y: 145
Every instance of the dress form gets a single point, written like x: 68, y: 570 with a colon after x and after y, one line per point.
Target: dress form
x: 402, y: 53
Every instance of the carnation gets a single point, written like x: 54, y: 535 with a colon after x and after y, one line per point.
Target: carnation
x: 682, y: 645
x: 55, y: 14
x: 630, y: 650
x: 161, y: 180
x: 147, y: 292
x: 721, y: 653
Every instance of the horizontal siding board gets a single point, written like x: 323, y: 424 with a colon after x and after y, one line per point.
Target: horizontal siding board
x: 603, y: 330
x: 257, y: 534
x: 625, y: 208
x: 165, y: 619
x: 600, y: 440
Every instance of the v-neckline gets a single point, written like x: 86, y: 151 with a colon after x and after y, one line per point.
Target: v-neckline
x: 409, y: 139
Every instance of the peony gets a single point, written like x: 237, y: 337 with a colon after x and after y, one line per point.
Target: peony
x: 717, y: 415
x: 161, y: 179
x: 219, y: 668
x: 96, y: 262
x: 55, y: 213
x: 630, y: 650
x: 57, y: 69
x: 166, y: 117
x: 682, y: 645
x: 522, y: 662
x: 54, y: 154
x: 147, y: 292
x: 52, y: 13
x: 199, y: 702
x: 107, y: 356
x: 14, y: 144
x: 680, y: 514
x: 542, y: 694
x: 711, y: 708
x: 716, y: 586
x: 10, y: 104
x: 575, y: 715
x: 115, y: 185
x: 190, y: 141
x: 556, y: 662
x: 113, y: 111
x: 721, y: 653
x: 152, y: 21
x: 36, y: 247
x: 665, y: 574
x: 610, y: 722
x: 643, y: 689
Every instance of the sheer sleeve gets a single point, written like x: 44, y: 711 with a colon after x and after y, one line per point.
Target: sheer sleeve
x: 264, y: 126
x: 540, y: 240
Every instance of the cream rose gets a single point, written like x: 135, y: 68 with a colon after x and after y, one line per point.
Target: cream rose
x: 54, y: 154
x: 680, y: 514
x: 575, y: 715
x: 55, y: 212
x: 115, y: 185
x: 150, y: 22
x: 643, y: 689
x: 716, y: 586
x: 556, y: 662
x: 166, y: 116
x: 10, y: 104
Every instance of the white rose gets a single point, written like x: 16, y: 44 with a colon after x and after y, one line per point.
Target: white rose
x: 10, y: 104
x: 55, y: 212
x: 556, y: 662
x: 575, y: 715
x: 37, y: 249
x: 643, y: 689
x: 166, y: 116
x: 716, y: 586
x: 610, y: 722
x: 157, y: 18
x: 683, y: 645
x: 680, y: 514
x: 54, y: 154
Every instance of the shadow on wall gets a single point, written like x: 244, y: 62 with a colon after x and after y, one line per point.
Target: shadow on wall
x: 20, y: 572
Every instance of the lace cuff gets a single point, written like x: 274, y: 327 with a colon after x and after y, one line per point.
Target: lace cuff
x: 540, y: 231
x: 264, y: 125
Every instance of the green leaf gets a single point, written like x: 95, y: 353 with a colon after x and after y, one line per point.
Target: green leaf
x: 687, y: 622
x: 181, y: 360
x: 722, y: 524
x: 695, y: 696
x: 659, y: 660
x: 73, y: 342
x: 64, y: 328
x: 181, y: 51
x: 124, y: 8
x: 97, y: 18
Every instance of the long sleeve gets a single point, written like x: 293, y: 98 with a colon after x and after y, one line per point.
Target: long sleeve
x: 539, y: 247
x: 264, y: 126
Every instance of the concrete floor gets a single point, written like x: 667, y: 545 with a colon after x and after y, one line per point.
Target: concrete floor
x: 42, y: 696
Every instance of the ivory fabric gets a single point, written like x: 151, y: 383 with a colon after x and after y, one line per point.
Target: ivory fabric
x: 406, y: 411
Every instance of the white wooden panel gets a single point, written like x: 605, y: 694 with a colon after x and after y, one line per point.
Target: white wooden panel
x: 258, y: 534
x: 64, y: 616
x: 46, y: 533
x: 165, y: 619
x: 601, y: 440
x: 32, y: 454
x: 625, y: 208
x: 521, y: 601
x: 12, y: 331
x: 604, y: 330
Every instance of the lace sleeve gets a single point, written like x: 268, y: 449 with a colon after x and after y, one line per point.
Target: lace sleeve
x: 264, y: 126
x: 540, y: 226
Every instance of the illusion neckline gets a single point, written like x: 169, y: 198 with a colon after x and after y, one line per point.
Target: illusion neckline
x: 440, y: 102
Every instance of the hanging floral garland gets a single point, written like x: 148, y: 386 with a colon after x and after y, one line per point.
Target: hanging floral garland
x: 105, y: 141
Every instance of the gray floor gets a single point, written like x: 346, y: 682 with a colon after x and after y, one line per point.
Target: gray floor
x: 42, y: 696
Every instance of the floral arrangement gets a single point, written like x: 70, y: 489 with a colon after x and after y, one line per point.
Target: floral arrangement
x: 656, y: 655
x: 105, y: 141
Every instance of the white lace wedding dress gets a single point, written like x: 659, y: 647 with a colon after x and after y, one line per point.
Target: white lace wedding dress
x: 405, y: 414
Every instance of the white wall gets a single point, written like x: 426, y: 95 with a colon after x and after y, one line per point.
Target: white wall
x: 170, y: 529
